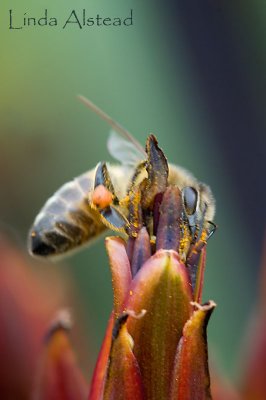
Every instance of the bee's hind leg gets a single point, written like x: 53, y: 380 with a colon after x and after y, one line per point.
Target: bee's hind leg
x: 107, y: 200
x: 102, y: 177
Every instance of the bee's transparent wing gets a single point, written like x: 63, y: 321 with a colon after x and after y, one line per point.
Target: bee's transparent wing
x: 124, y: 150
x: 122, y: 146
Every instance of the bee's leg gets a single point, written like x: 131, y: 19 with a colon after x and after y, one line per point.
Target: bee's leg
x: 199, y: 226
x: 157, y: 169
x: 138, y: 244
x: 196, y: 259
x: 212, y: 230
x: 135, y: 176
x: 193, y: 226
x: 135, y: 217
x: 114, y: 219
x: 185, y: 237
x: 102, y: 177
x: 198, y: 241
x: 110, y: 215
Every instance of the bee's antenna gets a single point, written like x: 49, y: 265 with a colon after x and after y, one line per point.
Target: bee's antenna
x: 119, y: 128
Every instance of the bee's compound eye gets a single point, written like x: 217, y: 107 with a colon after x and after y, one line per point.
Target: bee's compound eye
x: 190, y: 199
x: 101, y: 197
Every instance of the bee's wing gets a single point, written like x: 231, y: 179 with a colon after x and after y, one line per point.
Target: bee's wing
x: 121, y: 144
x: 124, y: 150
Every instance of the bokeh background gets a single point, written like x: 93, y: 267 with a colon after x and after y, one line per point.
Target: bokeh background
x: 191, y: 72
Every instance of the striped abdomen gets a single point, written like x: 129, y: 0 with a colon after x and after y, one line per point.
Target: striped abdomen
x: 66, y: 221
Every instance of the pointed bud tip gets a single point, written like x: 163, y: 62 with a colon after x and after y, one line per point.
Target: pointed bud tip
x: 204, y: 307
x: 62, y: 321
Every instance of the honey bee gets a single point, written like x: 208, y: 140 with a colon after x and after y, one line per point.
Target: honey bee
x: 118, y: 197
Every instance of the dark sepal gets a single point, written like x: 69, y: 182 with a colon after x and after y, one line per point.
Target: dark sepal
x: 168, y: 232
x: 142, y: 251
x: 157, y: 169
x: 156, y: 211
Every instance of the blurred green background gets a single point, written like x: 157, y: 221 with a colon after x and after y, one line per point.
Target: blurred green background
x: 193, y: 73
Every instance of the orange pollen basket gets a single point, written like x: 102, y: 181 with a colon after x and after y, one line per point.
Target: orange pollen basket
x: 101, y: 197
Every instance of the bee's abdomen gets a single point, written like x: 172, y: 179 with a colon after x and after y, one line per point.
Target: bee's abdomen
x: 66, y: 221
x: 63, y: 235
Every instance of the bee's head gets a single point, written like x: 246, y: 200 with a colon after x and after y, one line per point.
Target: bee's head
x: 199, y: 205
